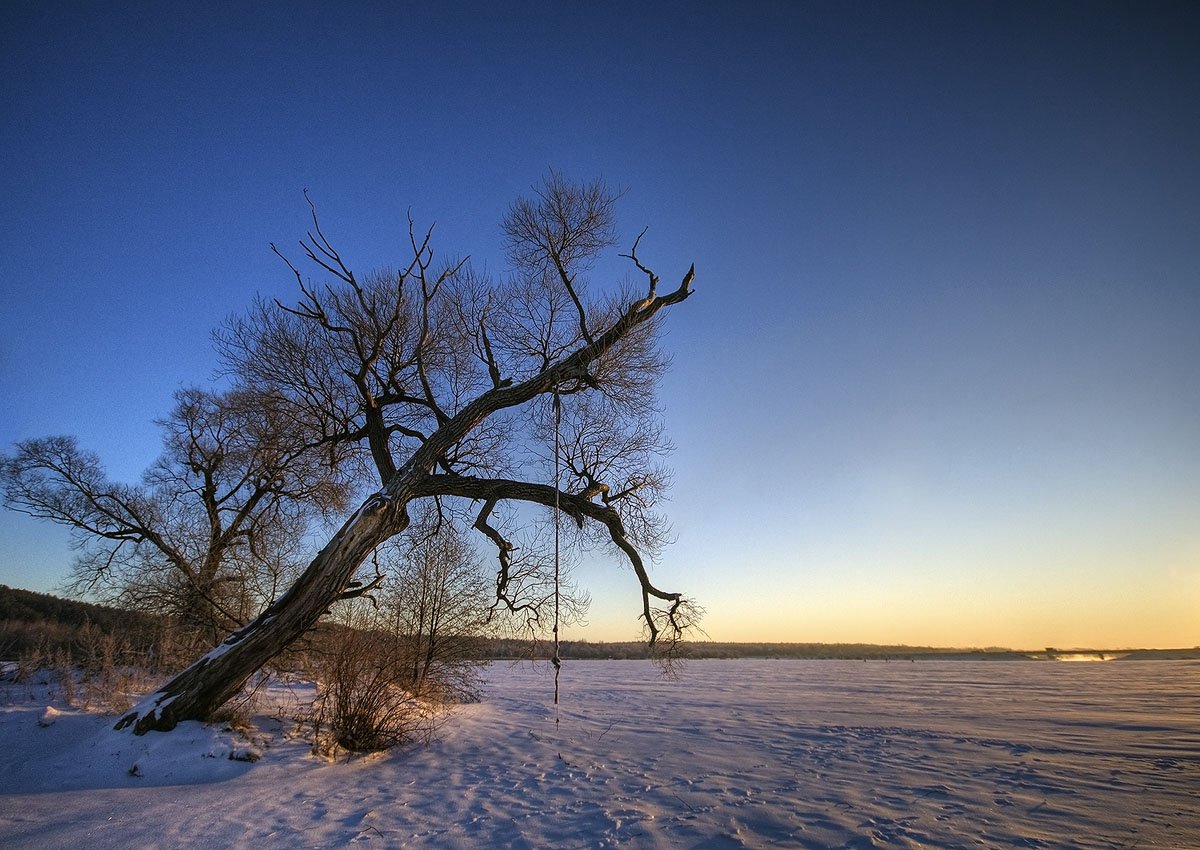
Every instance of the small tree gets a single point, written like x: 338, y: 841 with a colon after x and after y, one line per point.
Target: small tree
x: 442, y: 384
x: 440, y: 602
x: 437, y: 604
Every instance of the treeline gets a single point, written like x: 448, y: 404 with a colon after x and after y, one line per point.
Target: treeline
x: 44, y: 624
x: 39, y: 628
x: 506, y: 649
x: 29, y: 607
x: 585, y: 650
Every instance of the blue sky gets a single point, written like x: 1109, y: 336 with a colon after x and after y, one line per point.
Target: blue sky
x: 939, y: 380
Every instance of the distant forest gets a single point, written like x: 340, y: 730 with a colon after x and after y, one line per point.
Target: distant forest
x: 45, y: 625
x: 41, y: 621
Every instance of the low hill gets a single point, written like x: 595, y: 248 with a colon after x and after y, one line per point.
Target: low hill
x: 26, y: 606
x: 46, y: 626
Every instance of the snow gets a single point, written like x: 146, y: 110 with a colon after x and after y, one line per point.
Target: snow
x: 819, y: 754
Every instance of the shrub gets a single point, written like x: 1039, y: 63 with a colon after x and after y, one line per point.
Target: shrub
x: 365, y: 702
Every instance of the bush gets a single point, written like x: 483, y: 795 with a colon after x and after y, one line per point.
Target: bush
x: 365, y: 702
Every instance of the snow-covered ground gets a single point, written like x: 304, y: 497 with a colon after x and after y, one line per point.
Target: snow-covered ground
x: 821, y: 754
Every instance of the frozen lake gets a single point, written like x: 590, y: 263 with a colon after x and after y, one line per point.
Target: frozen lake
x: 812, y: 754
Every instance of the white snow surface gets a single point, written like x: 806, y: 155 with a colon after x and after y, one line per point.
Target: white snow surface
x: 809, y: 754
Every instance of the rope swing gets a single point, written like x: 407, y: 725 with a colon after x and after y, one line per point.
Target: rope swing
x: 557, y: 659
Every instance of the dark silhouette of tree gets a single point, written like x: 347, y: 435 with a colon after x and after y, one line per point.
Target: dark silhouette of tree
x: 438, y: 383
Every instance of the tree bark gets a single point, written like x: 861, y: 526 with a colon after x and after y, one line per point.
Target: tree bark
x: 215, y: 678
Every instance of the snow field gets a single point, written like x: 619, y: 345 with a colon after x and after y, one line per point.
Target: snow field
x: 733, y: 754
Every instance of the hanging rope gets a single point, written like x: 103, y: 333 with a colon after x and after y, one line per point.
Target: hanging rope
x: 556, y: 660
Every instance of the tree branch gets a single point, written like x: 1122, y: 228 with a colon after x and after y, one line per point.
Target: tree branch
x: 504, y: 553
x: 632, y: 255
x: 573, y: 366
x: 493, y: 490
x: 569, y: 285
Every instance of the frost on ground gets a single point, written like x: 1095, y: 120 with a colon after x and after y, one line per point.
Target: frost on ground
x: 733, y: 754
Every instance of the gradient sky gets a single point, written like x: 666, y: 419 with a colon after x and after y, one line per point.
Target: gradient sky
x: 940, y: 380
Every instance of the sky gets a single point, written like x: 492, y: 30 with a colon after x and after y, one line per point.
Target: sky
x: 938, y: 383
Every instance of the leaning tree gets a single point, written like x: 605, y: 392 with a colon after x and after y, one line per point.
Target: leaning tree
x: 436, y: 382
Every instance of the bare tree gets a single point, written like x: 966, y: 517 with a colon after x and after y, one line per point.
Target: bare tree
x: 211, y: 533
x: 442, y: 384
x: 440, y: 602
x: 437, y: 604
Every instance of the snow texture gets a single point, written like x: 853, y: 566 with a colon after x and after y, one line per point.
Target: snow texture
x: 733, y: 754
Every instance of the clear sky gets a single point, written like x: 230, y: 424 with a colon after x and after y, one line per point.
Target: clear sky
x: 940, y: 380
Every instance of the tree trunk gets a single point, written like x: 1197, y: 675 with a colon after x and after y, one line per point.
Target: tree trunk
x: 211, y: 681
